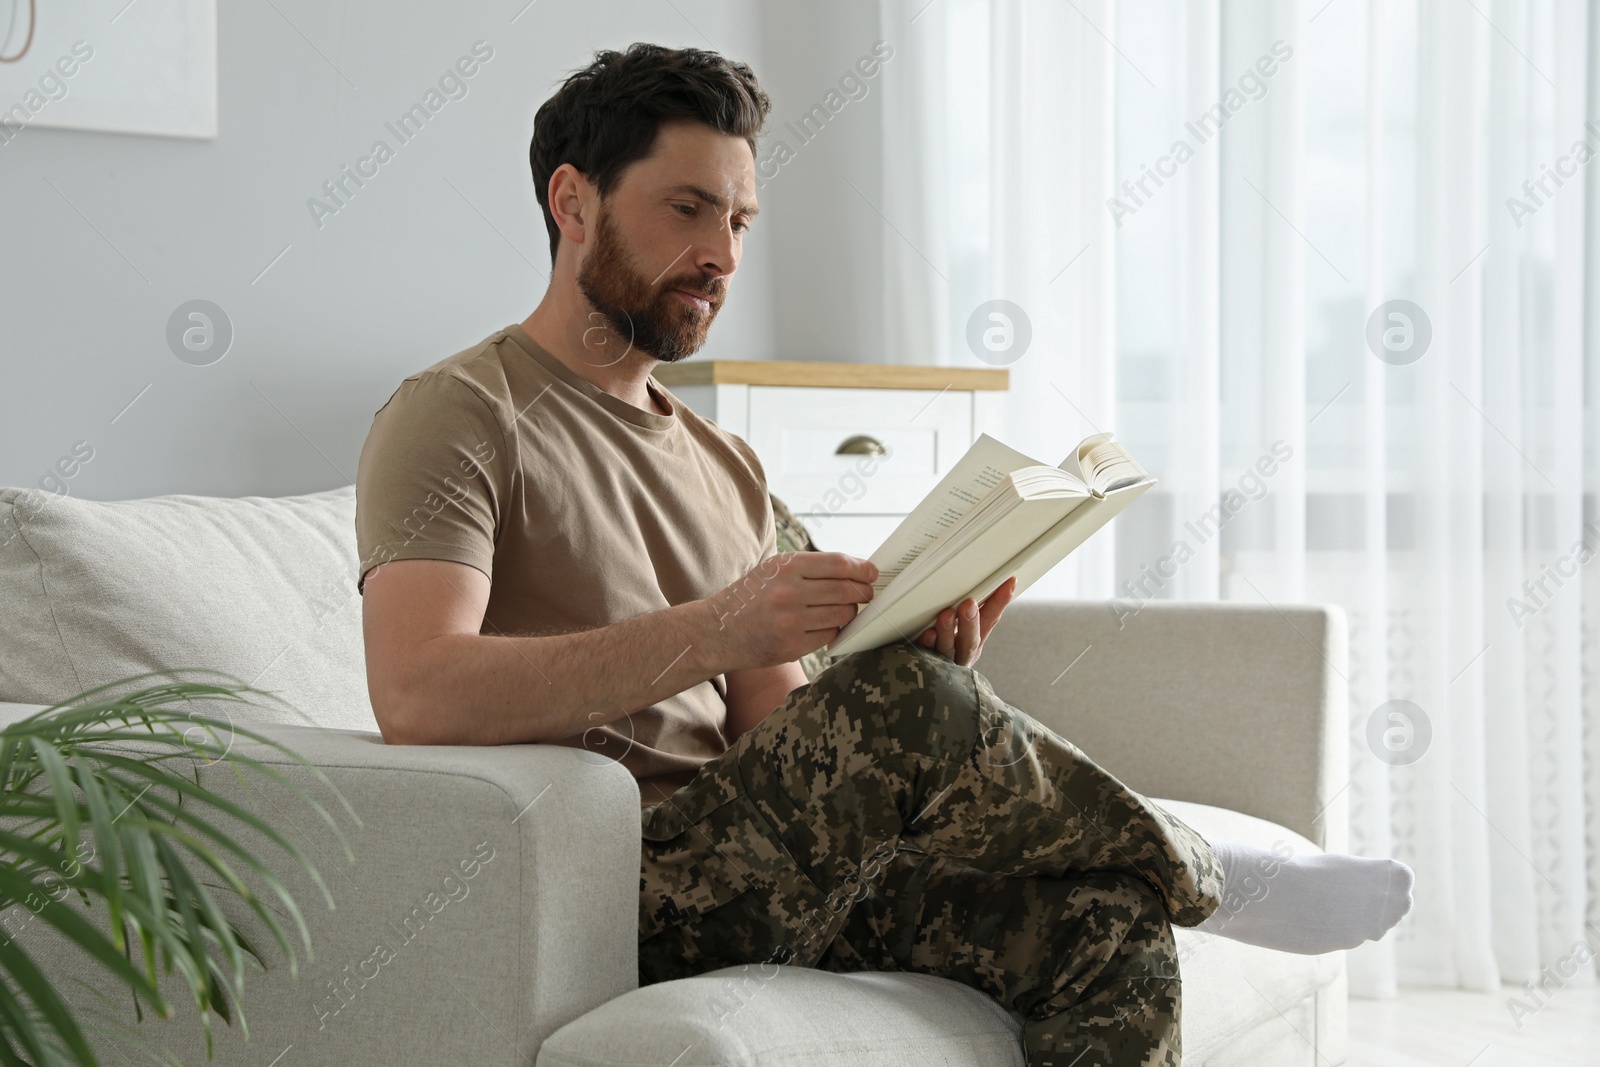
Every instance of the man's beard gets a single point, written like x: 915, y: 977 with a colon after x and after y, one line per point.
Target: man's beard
x: 645, y: 315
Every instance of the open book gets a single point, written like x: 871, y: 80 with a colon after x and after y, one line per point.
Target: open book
x: 997, y: 513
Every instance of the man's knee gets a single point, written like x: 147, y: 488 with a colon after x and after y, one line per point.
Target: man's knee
x: 1127, y: 912
x: 922, y: 700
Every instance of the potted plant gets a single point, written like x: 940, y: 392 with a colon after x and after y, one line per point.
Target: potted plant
x: 100, y: 799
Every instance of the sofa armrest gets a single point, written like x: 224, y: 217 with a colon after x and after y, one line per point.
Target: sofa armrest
x: 1235, y: 705
x: 10, y: 713
x: 493, y: 899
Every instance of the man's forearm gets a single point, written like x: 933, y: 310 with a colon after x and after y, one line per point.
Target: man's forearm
x: 471, y: 689
x: 754, y: 695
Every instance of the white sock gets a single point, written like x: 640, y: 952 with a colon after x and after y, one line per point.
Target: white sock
x: 1306, y: 904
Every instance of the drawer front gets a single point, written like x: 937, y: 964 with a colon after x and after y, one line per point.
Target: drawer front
x: 797, y: 433
x: 855, y: 535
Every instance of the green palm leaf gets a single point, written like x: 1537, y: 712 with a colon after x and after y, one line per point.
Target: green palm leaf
x: 100, y: 798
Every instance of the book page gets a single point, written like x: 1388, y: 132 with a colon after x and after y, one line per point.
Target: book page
x: 1111, y: 467
x: 969, y: 481
x: 1000, y: 554
x: 1073, y: 464
x: 1040, y: 557
x: 1104, y: 465
x: 908, y: 608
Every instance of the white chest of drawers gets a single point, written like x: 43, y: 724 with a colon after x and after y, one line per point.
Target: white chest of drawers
x: 850, y: 447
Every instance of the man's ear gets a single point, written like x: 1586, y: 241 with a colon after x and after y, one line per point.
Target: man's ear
x: 568, y: 192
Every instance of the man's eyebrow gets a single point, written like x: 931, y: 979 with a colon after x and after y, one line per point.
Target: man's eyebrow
x: 702, y: 193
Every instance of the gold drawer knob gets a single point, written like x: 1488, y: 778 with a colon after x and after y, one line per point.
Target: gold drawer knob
x: 861, y: 444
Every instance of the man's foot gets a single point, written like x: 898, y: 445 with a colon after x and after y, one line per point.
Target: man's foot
x: 1307, y: 904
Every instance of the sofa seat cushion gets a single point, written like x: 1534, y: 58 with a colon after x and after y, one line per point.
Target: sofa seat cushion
x: 261, y: 588
x: 762, y: 1014
x: 792, y: 1016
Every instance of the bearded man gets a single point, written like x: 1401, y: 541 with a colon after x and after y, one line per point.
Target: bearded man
x: 555, y: 549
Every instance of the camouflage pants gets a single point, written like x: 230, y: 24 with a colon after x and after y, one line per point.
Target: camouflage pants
x: 897, y: 815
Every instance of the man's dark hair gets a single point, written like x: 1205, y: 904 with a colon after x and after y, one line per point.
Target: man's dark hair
x: 606, y: 115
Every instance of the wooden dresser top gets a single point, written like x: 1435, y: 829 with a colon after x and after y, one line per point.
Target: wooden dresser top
x: 820, y: 374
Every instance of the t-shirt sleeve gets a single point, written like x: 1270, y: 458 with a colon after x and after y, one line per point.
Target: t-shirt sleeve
x: 769, y: 543
x: 431, y: 481
x: 767, y: 525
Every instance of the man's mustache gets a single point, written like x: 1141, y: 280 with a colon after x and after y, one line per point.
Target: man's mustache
x: 712, y: 289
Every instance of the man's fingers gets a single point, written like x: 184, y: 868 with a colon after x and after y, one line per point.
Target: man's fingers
x: 835, y: 565
x: 822, y: 616
x: 946, y: 642
x: 996, y: 602
x: 821, y: 638
x: 967, y: 635
x: 837, y: 591
x: 958, y: 631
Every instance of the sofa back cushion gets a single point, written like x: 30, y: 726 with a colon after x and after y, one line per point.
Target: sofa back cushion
x: 262, y: 588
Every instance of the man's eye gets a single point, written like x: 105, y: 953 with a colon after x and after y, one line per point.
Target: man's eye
x: 687, y: 209
x: 740, y: 227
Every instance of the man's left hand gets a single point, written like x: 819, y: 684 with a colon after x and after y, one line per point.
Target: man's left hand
x: 959, y: 632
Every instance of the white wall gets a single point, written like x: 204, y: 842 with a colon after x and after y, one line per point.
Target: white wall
x: 442, y: 246
x: 827, y: 236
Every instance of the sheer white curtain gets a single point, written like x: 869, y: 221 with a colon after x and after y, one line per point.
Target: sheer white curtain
x: 1324, y: 267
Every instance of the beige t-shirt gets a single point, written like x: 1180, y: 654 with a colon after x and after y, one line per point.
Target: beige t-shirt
x: 582, y: 509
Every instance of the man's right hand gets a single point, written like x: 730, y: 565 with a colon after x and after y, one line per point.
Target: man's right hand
x: 788, y: 605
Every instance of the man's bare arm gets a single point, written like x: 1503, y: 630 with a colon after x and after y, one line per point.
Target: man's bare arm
x: 756, y: 693
x: 435, y: 679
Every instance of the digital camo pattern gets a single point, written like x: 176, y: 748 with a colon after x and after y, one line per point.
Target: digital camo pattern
x: 1086, y: 959
x: 897, y: 814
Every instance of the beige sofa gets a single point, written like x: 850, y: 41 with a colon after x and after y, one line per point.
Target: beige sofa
x: 1234, y: 713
